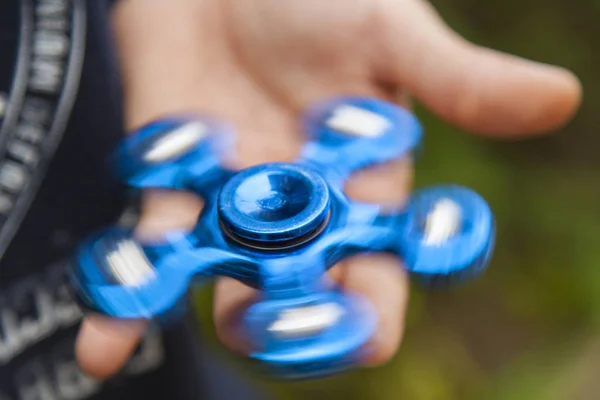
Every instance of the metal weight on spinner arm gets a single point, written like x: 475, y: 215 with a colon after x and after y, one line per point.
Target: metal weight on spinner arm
x: 278, y: 227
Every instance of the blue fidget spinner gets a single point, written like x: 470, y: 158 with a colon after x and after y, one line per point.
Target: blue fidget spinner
x: 278, y: 227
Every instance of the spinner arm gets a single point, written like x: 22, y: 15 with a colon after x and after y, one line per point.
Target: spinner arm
x: 442, y: 234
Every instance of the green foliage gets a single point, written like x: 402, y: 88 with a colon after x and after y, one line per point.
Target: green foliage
x: 528, y: 329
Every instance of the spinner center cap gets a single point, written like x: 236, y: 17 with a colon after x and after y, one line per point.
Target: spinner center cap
x: 274, y: 205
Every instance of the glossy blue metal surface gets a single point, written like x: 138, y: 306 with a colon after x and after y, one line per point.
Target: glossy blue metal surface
x: 192, y: 161
x: 274, y: 202
x: 279, y: 227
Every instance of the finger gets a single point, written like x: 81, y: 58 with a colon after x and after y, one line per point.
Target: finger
x: 381, y: 278
x: 231, y: 299
x: 383, y: 281
x: 105, y: 344
x: 476, y: 88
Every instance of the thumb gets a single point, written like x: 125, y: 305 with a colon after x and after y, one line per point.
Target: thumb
x: 475, y: 88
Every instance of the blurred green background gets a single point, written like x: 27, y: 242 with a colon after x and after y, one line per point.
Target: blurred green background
x: 530, y: 327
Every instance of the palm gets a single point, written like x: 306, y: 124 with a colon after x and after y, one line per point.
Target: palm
x: 270, y: 59
x: 300, y: 51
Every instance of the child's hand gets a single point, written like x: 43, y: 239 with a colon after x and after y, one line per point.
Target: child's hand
x: 259, y: 63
